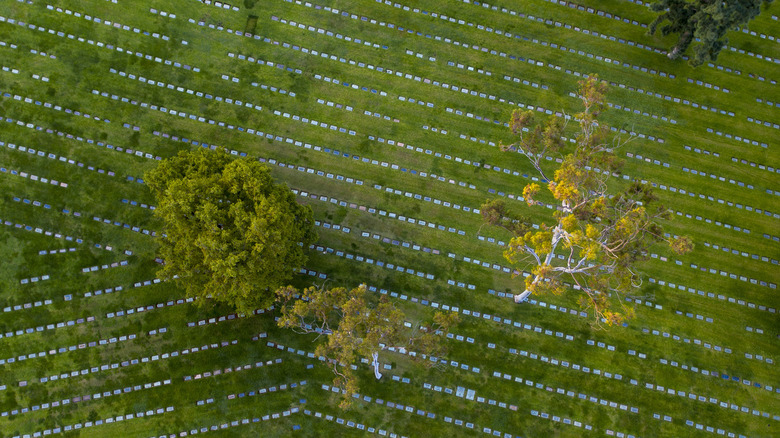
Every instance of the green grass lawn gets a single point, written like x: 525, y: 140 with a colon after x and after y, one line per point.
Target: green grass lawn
x: 712, y: 310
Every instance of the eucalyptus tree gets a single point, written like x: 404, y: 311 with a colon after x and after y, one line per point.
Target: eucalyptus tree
x: 594, y: 239
x: 357, y: 327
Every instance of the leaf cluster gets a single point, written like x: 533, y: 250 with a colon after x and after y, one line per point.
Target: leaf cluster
x: 230, y: 232
x: 706, y: 21
x: 601, y: 236
x: 358, y: 327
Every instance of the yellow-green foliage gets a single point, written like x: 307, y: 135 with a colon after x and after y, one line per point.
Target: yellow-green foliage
x: 230, y: 232
x: 603, y: 235
x: 357, y: 328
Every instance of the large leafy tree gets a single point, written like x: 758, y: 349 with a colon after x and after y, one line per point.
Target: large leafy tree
x: 600, y: 236
x: 708, y: 20
x: 231, y: 233
x: 357, y: 328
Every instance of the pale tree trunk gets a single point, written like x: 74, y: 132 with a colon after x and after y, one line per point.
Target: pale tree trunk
x: 522, y: 296
x: 526, y: 293
x: 556, y: 237
x: 682, y: 41
x: 375, y: 364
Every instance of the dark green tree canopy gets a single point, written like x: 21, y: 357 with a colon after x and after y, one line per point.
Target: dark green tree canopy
x: 708, y: 20
x: 231, y: 233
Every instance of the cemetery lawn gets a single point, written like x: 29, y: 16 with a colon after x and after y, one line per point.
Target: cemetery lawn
x: 385, y: 118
